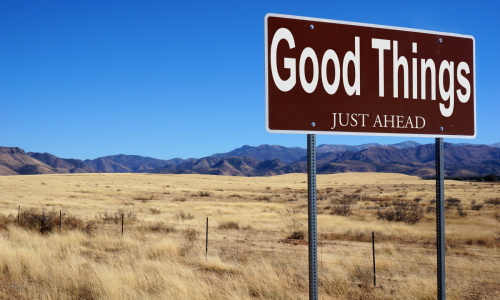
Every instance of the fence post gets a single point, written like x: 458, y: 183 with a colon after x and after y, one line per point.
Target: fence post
x: 206, y: 242
x: 122, y: 222
x: 321, y: 244
x: 60, y: 220
x: 373, y: 250
x: 273, y: 245
x: 237, y: 241
x: 18, y: 212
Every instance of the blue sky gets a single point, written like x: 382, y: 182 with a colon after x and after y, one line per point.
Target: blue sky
x: 84, y: 79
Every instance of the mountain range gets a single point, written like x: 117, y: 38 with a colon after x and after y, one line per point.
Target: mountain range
x: 266, y: 160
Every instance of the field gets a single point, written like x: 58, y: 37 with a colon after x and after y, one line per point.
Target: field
x: 257, y: 248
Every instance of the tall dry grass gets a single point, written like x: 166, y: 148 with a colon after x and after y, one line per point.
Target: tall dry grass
x: 156, y: 259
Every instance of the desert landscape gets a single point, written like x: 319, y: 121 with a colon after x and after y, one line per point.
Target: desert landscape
x: 257, y: 237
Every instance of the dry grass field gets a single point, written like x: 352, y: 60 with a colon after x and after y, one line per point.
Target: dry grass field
x: 255, y: 249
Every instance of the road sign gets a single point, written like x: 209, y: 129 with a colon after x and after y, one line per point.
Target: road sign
x: 344, y: 78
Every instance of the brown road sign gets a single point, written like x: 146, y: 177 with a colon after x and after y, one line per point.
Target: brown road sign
x: 333, y: 77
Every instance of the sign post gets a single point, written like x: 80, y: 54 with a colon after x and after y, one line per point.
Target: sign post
x: 311, y: 217
x: 440, y: 234
x: 344, y: 78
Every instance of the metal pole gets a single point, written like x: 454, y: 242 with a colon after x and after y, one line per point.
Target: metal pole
x: 206, y: 242
x: 311, y: 191
x: 373, y: 250
x: 122, y: 222
x: 440, y: 233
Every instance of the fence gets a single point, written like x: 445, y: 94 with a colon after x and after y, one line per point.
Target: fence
x: 370, y: 256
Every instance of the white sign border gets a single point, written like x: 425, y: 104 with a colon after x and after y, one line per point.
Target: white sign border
x: 373, y: 26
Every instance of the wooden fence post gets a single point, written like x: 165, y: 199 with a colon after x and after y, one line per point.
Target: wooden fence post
x: 206, y: 242
x: 373, y: 250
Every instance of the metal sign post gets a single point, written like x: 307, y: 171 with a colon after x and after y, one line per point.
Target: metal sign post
x: 440, y: 234
x: 311, y: 226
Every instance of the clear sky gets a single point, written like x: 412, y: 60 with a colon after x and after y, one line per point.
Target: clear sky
x: 84, y: 79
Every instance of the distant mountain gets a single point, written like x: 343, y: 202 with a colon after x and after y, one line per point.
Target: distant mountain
x: 420, y: 161
x: 265, y: 160
x: 267, y: 152
x: 497, y: 145
x: 62, y: 165
x: 328, y: 147
x: 122, y: 163
x: 15, y: 161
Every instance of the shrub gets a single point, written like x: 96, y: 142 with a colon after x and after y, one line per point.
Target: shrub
x: 204, y: 194
x: 162, y: 227
x: 292, y: 217
x: 476, y: 207
x: 461, y: 211
x: 5, y: 221
x: 45, y: 222
x: 348, y: 199
x: 182, y: 215
x: 490, y: 177
x: 452, y: 202
x: 155, y: 211
x: 341, y: 210
x: 402, y: 212
x: 417, y: 199
x: 494, y: 201
x: 229, y: 225
x: 144, y: 198
x: 297, y: 235
x: 190, y: 236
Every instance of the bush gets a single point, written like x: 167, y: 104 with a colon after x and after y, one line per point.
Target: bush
x: 182, y: 215
x: 155, y: 211
x: 46, y: 222
x: 341, y: 210
x: 190, y: 236
x: 229, y: 225
x: 494, y: 201
x: 402, y: 212
x: 476, y: 207
x: 204, y: 194
x: 452, y: 202
x: 490, y: 177
x: 162, y: 227
x: 5, y: 221
x: 461, y: 212
x: 297, y: 235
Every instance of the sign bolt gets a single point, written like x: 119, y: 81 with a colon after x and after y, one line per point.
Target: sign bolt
x: 314, y: 124
x: 311, y: 26
x: 440, y: 40
x: 441, y: 128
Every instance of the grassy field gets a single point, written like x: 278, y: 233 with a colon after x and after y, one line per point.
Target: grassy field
x: 251, y: 256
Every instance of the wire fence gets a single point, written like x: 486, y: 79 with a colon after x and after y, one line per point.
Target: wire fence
x: 392, y: 261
